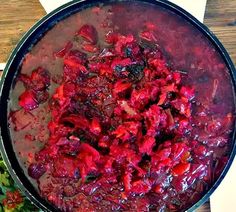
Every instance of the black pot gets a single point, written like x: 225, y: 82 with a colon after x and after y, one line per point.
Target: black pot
x: 14, y: 62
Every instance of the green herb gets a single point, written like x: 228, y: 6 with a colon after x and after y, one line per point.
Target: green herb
x: 7, y: 189
x: 90, y: 178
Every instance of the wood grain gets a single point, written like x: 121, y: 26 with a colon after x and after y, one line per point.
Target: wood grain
x: 204, y: 208
x: 220, y: 17
x: 17, y: 16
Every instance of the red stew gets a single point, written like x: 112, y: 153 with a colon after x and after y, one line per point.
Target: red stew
x: 122, y: 127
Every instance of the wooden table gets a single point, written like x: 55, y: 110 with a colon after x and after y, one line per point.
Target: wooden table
x: 17, y: 16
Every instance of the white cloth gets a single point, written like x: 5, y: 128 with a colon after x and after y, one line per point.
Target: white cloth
x: 2, y: 66
x: 223, y: 199
x: 50, y: 5
x: 197, y: 8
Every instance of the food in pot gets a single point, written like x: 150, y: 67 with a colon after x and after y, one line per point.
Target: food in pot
x: 119, y: 117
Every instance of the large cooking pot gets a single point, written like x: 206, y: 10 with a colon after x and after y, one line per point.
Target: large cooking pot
x: 30, y: 38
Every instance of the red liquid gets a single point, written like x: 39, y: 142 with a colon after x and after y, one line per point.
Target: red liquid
x: 192, y: 156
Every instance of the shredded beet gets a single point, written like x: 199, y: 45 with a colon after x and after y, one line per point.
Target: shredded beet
x: 36, y: 86
x: 149, y: 103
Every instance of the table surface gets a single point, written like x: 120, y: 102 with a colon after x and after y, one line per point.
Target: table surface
x: 17, y: 16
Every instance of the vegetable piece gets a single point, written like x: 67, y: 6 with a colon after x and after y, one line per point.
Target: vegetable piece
x: 28, y: 101
x: 89, y: 33
x: 61, y: 53
x: 180, y: 169
x: 36, y: 170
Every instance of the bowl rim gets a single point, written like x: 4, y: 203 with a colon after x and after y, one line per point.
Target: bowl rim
x: 57, y: 14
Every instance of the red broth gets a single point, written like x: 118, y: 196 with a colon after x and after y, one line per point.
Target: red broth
x: 167, y: 98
